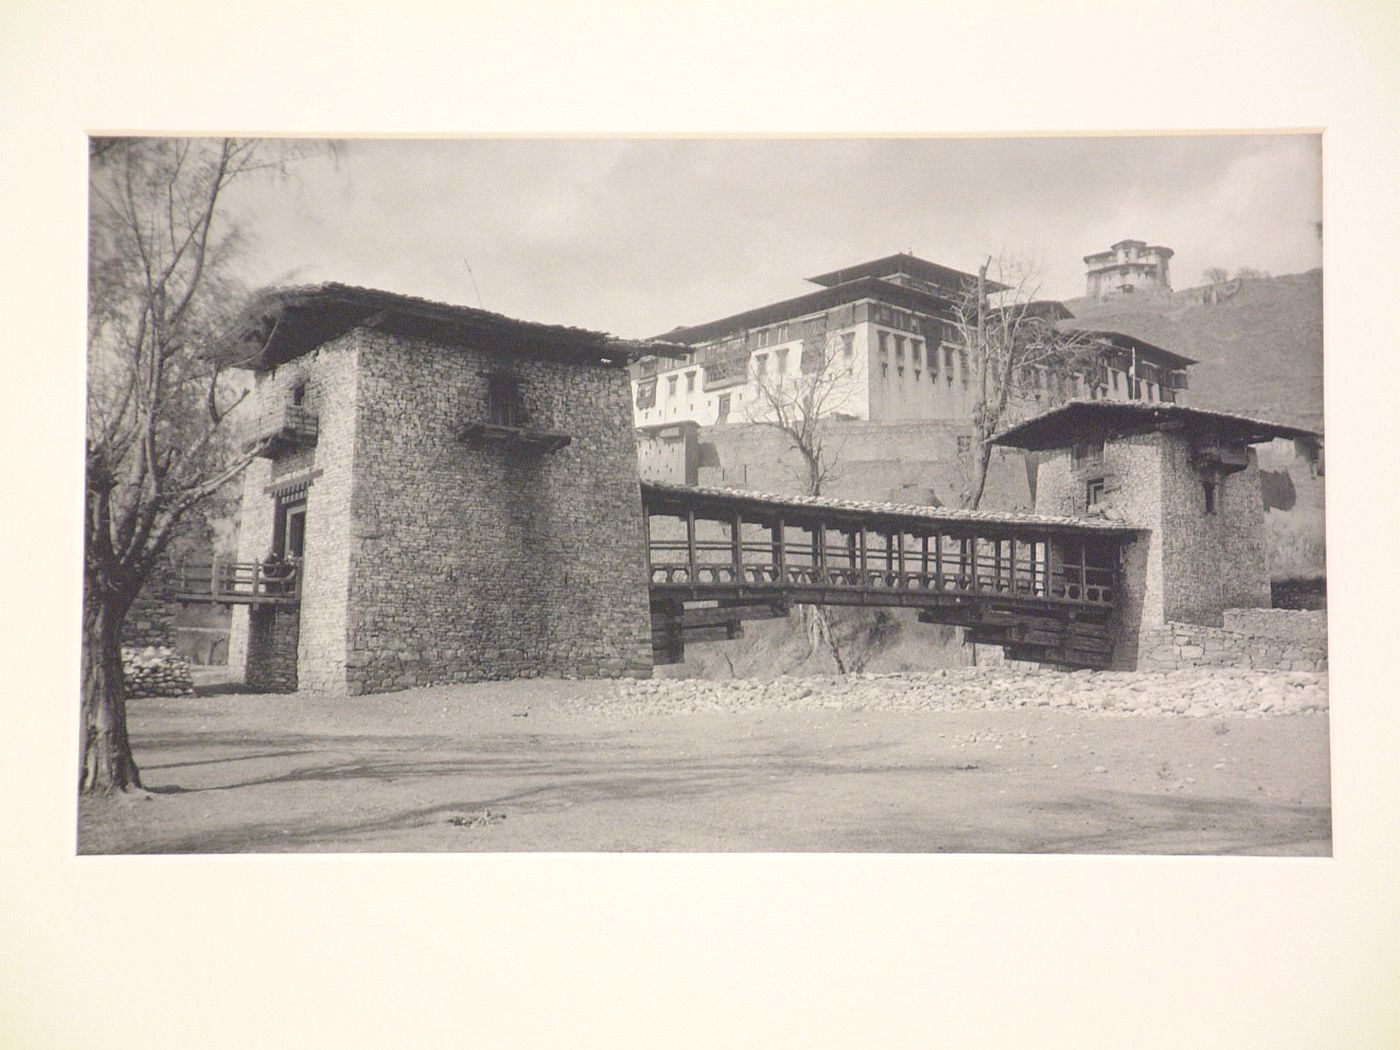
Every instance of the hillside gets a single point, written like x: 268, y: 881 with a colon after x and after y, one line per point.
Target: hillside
x: 1260, y: 348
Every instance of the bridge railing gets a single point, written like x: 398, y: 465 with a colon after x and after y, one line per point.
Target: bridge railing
x: 725, y: 564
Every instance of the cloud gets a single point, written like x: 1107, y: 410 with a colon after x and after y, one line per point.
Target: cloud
x: 637, y: 236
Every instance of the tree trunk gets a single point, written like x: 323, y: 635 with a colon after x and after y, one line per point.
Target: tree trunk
x: 982, y: 458
x: 819, y: 632
x: 107, y: 765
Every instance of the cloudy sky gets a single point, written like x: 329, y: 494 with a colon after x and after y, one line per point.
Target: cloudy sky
x: 638, y: 236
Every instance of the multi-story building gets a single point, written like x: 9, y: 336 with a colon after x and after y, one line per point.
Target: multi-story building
x: 1128, y: 268
x: 886, y: 332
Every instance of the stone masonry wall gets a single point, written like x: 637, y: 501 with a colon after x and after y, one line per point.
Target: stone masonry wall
x: 1191, y: 565
x: 1210, y: 562
x: 475, y: 561
x: 272, y: 650
x: 899, y: 462
x: 1133, y: 494
x: 1258, y: 639
x: 319, y: 629
x: 151, y: 619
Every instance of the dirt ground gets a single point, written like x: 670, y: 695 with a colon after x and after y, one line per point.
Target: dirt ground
x: 551, y: 765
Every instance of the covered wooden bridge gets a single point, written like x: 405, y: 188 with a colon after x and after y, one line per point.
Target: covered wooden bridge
x: 1044, y: 588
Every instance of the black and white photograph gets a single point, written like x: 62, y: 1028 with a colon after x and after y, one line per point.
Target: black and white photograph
x: 731, y: 525
x: 707, y: 495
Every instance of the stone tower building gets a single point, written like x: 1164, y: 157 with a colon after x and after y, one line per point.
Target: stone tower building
x: 1129, y: 268
x: 1188, y: 478
x: 456, y: 491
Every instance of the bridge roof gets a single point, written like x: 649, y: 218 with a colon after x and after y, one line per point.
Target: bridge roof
x: 1062, y: 426
x: 797, y: 509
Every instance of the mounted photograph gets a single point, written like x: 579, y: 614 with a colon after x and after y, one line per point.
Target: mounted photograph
x: 887, y: 495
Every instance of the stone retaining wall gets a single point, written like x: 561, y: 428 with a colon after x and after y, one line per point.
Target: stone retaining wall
x: 151, y: 619
x: 1258, y: 639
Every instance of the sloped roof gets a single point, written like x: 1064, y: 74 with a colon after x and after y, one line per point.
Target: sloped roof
x: 903, y: 262
x: 805, y: 506
x: 812, y: 302
x: 1063, y: 425
x: 280, y: 324
x: 1130, y: 342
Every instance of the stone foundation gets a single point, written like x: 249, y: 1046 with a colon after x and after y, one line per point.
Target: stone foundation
x: 1256, y: 639
x: 273, y: 633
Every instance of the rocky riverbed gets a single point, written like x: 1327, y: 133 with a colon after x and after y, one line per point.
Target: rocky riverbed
x: 1193, y: 693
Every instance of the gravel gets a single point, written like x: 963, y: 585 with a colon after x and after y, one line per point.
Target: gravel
x: 1191, y: 693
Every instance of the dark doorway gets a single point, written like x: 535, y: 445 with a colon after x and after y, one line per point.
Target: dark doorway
x: 289, y: 540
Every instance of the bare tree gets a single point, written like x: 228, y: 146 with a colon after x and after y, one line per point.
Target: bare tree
x: 800, y: 403
x: 1216, y: 275
x: 158, y: 441
x: 1015, y: 350
x: 799, y: 399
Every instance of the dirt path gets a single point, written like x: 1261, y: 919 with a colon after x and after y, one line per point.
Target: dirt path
x: 963, y: 762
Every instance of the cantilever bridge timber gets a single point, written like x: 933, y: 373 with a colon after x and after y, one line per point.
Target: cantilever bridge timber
x: 1045, y: 588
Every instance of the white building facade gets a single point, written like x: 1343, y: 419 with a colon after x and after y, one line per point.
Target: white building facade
x: 884, y: 333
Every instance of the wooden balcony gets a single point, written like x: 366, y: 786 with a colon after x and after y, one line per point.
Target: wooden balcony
x: 239, y: 583
x: 288, y: 428
x: 513, y: 437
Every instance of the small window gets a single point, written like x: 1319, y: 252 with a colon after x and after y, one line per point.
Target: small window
x: 964, y: 444
x: 884, y: 370
x: 690, y: 382
x: 918, y: 375
x: 671, y: 386
x: 782, y: 362
x: 1083, y: 453
x: 299, y: 394
x: 884, y: 344
x: 1093, y: 492
x: 899, y: 348
x: 723, y: 408
x: 1209, y: 488
x: 503, y: 401
x: 901, y: 371
x: 760, y: 364
x: 848, y: 344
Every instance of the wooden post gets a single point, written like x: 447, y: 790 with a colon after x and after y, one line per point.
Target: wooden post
x: 779, y: 551
x: 938, y: 560
x: 690, y: 543
x: 736, y: 536
x: 1013, y: 564
x: 646, y: 538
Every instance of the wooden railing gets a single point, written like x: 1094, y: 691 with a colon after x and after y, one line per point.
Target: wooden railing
x: 240, y: 582
x: 722, y: 564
